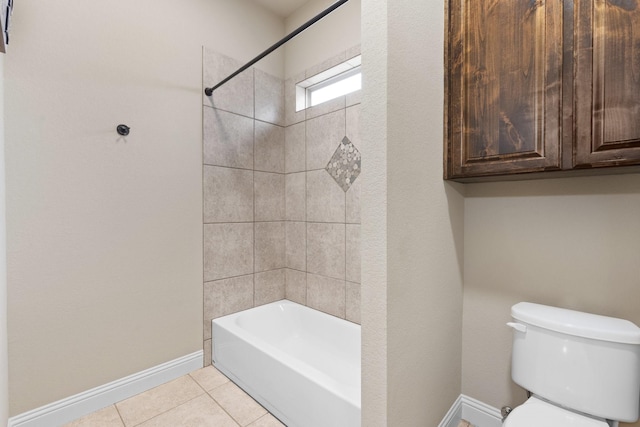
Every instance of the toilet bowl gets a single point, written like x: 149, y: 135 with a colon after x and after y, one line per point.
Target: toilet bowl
x: 535, y: 412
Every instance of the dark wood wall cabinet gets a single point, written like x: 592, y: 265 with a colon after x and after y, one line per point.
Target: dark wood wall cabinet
x: 536, y: 86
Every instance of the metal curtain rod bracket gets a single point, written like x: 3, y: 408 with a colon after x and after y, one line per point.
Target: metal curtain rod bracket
x: 209, y: 91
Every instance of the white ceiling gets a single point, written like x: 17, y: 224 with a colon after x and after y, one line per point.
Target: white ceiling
x: 283, y: 8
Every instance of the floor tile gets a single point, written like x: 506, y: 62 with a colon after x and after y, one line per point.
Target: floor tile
x: 107, y: 417
x: 267, y: 421
x: 202, y: 411
x: 209, y: 378
x: 237, y: 403
x: 184, y: 403
x: 151, y: 403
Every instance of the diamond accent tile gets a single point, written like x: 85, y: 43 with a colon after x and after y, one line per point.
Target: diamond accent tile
x: 345, y: 165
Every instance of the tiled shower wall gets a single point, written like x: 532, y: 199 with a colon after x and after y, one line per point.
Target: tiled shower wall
x: 276, y: 223
x: 322, y: 214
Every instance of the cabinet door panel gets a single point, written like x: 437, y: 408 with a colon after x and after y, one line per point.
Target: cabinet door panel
x: 504, y: 86
x: 607, y: 82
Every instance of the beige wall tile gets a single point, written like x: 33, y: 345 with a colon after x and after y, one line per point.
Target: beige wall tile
x: 237, y: 95
x: 202, y: 411
x: 228, y: 194
x: 228, y: 250
x: 353, y: 126
x: 354, y: 98
x: 353, y: 253
x: 353, y: 202
x: 228, y: 139
x: 296, y: 245
x: 295, y: 199
x: 325, y: 198
x: 269, y: 93
x: 353, y: 302
x: 291, y: 116
x: 326, y: 294
x: 323, y: 136
x: 269, y: 246
x: 269, y: 196
x: 353, y: 195
x: 149, y: 404
x: 269, y: 286
x: 326, y: 249
x: 226, y: 296
x: 294, y: 148
x: 296, y: 286
x: 269, y: 147
x: 237, y: 403
x: 107, y: 417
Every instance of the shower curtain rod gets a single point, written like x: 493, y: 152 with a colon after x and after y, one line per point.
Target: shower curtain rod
x: 209, y: 91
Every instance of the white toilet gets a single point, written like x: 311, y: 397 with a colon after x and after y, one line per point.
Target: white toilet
x: 582, y: 370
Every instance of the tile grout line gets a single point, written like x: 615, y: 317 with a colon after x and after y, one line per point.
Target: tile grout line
x: 253, y: 302
x: 207, y: 392
x: 225, y: 409
x: 345, y: 224
x: 210, y: 165
x: 284, y: 185
x: 306, y: 223
x: 284, y: 192
x: 119, y: 414
x: 306, y: 215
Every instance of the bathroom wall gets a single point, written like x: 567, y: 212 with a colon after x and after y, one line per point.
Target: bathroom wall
x: 572, y: 242
x: 412, y: 221
x: 104, y: 233
x: 244, y: 182
x: 327, y: 38
x: 4, y: 377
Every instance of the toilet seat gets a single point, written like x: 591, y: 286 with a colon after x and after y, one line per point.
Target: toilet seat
x: 538, y: 413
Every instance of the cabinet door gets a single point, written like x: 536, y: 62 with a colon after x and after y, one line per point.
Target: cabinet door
x: 607, y: 88
x: 504, y: 87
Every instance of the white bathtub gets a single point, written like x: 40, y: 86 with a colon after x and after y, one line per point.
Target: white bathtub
x: 301, y: 364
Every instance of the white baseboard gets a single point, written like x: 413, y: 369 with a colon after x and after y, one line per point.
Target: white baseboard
x: 81, y: 404
x: 477, y: 413
x: 480, y: 414
x: 453, y: 417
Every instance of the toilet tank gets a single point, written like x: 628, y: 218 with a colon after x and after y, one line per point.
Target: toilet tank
x: 585, y: 362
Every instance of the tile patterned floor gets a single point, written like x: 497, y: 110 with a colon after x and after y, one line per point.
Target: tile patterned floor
x: 204, y: 398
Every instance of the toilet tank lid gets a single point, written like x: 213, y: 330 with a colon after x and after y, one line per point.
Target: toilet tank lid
x: 577, y: 323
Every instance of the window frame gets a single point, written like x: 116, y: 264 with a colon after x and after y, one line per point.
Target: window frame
x: 319, y: 81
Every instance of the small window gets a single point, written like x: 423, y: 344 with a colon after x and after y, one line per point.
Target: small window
x: 338, y: 81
